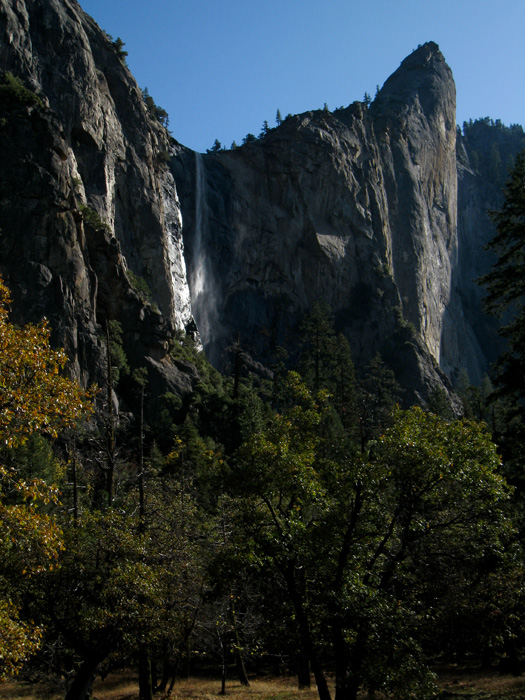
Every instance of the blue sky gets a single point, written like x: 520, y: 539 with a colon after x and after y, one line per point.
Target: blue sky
x: 222, y: 67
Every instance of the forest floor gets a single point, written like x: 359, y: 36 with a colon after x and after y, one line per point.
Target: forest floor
x: 455, y: 683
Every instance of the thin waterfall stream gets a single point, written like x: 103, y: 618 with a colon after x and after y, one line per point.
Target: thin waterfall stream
x: 202, y: 287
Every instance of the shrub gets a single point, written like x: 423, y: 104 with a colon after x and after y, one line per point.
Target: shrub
x: 139, y: 284
x: 13, y: 89
x: 91, y: 218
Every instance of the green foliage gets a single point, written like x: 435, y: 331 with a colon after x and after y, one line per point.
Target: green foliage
x: 155, y: 110
x: 334, y: 528
x: 377, y: 394
x: 35, y: 398
x: 505, y: 282
x: 118, y: 45
x: 361, y: 531
x: 35, y: 459
x: 318, y: 337
x: 92, y: 219
x: 217, y: 146
x: 184, y: 348
x: 325, y: 361
x: 121, y: 586
x: 119, y: 361
x: 139, y: 284
x: 13, y: 90
x: 75, y: 183
x: 439, y: 404
x: 492, y: 147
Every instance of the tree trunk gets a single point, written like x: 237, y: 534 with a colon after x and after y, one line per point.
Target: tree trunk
x: 75, y: 484
x: 241, y: 670
x: 174, y: 672
x: 237, y: 651
x: 303, y: 669
x: 224, y: 653
x: 306, y: 637
x: 142, y: 501
x: 145, y: 682
x: 166, y: 670
x: 320, y: 680
x: 154, y: 676
x: 110, y: 428
x: 348, y: 663
x: 82, y: 684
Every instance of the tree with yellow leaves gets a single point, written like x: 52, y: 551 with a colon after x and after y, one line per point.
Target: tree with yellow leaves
x: 35, y: 397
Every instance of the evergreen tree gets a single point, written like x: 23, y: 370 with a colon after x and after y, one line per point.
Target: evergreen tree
x: 506, y: 281
x: 217, y: 146
x: 317, y: 355
x: 119, y: 48
x: 264, y: 129
x: 378, y: 392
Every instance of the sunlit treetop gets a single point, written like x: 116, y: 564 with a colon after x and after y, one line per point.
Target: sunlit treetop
x: 35, y: 395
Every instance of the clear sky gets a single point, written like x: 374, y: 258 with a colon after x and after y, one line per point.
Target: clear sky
x: 222, y: 67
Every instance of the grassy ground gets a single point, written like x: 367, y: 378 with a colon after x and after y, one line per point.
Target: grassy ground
x: 455, y: 684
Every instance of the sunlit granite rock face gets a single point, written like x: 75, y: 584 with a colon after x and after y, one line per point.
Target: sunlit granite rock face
x: 357, y: 208
x: 91, y: 144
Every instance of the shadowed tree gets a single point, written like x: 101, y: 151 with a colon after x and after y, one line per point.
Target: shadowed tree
x: 505, y: 283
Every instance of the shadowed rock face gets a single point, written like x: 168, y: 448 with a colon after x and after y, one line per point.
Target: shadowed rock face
x: 357, y: 208
x: 91, y: 143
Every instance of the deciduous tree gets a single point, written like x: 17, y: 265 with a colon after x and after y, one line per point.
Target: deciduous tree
x: 351, y: 537
x: 35, y: 397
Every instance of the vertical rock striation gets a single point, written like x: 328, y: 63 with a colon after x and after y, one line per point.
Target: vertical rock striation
x: 88, y: 203
x: 357, y: 208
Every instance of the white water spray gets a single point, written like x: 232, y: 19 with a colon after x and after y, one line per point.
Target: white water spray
x: 202, y: 286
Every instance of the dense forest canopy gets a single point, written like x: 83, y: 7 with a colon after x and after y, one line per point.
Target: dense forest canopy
x: 492, y: 147
x: 299, y: 519
x: 305, y: 517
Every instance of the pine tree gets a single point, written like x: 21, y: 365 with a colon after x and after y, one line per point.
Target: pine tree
x: 317, y: 354
x: 506, y: 281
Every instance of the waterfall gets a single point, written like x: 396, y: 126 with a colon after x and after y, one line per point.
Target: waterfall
x: 202, y: 286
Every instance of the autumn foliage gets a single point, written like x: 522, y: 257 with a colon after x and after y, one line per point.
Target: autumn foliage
x: 35, y: 397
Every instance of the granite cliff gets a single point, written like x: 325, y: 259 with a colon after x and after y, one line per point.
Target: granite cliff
x: 88, y: 205
x: 357, y: 208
